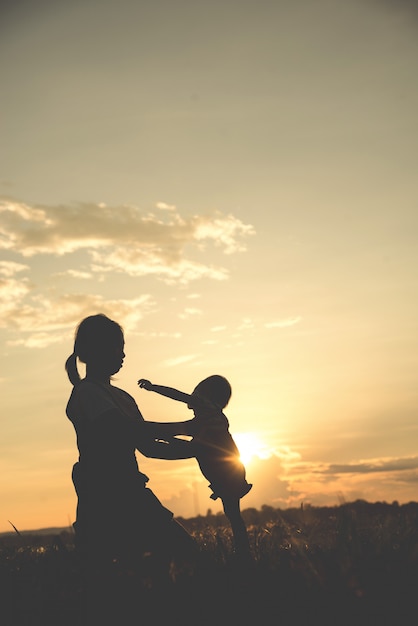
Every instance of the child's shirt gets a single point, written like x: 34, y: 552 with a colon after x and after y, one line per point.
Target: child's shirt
x: 218, y: 456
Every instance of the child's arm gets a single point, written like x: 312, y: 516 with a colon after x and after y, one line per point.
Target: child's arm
x: 174, y: 394
x: 172, y: 429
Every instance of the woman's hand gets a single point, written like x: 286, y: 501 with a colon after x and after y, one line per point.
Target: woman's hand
x: 143, y: 383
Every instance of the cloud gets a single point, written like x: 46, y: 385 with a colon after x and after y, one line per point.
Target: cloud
x: 224, y: 230
x: 151, y: 262
x: 271, y: 483
x: 282, y: 481
x: 369, y: 466
x: 165, y: 207
x: 373, y: 466
x: 95, y: 242
x: 179, y: 360
x: 10, y: 268
x: 190, y: 312
x: 290, y: 321
x: 246, y: 323
x: 12, y: 290
x: 159, y: 334
x: 12, y: 293
x: 269, y: 487
x: 322, y: 483
x: 79, y: 275
x: 124, y: 238
x: 51, y: 322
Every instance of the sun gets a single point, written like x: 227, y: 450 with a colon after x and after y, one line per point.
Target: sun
x: 249, y: 446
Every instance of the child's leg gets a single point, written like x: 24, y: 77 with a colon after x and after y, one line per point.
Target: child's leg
x: 239, y: 530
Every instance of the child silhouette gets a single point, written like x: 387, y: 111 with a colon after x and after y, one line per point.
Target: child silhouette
x: 214, y: 448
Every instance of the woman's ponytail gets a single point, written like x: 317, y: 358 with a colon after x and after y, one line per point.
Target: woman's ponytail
x: 71, y: 369
x: 92, y: 337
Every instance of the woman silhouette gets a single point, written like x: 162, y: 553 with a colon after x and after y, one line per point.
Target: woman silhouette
x: 118, y: 517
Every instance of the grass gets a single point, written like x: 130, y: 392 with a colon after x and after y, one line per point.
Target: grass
x: 356, y: 564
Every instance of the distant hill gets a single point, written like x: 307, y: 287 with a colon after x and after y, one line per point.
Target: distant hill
x: 39, y: 531
x: 256, y: 516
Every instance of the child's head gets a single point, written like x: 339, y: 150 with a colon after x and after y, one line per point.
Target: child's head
x: 216, y: 389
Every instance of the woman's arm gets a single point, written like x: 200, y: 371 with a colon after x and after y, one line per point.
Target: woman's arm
x: 114, y: 426
x: 166, y: 430
x: 153, y: 439
x: 173, y: 449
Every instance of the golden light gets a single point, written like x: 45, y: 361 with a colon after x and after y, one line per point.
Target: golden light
x: 249, y: 446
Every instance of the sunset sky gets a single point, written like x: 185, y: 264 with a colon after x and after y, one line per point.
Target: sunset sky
x: 235, y: 182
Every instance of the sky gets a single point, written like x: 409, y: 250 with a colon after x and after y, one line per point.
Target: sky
x: 235, y: 183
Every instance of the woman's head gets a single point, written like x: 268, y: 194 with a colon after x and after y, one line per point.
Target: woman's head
x: 98, y: 343
x: 216, y: 389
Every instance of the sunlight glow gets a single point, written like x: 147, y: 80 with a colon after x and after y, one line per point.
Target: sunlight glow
x: 249, y: 446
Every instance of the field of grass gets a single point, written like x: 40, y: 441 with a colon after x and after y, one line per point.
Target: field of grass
x: 352, y: 565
